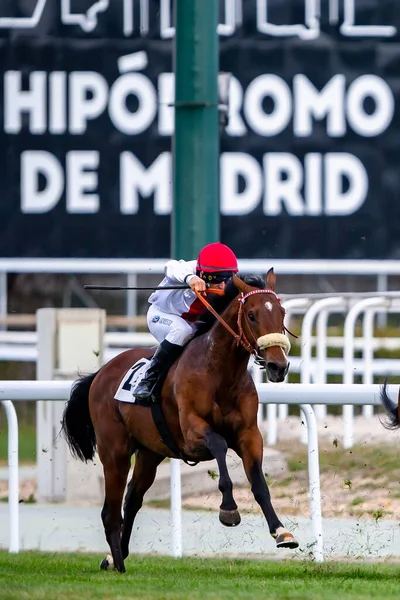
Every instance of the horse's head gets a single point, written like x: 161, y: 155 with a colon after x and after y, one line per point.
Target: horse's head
x: 260, y: 321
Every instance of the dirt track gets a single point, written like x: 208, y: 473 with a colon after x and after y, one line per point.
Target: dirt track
x: 350, y: 485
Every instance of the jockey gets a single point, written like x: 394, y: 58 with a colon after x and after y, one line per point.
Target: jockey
x: 172, y: 313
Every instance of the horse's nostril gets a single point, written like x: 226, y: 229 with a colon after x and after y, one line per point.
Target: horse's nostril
x: 277, y: 370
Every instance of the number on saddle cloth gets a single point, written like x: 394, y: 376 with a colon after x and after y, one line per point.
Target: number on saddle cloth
x: 131, y: 380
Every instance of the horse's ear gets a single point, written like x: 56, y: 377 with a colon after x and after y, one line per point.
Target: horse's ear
x: 270, y: 279
x: 240, y: 285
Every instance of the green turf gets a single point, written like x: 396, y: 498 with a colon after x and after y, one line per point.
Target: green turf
x: 74, y: 577
x: 27, y: 445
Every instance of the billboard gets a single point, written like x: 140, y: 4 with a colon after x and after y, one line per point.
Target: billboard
x: 309, y: 160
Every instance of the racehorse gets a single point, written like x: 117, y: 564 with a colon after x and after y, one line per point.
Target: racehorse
x: 209, y: 402
x: 392, y: 409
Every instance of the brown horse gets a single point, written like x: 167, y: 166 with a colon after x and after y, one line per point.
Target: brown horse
x: 209, y: 403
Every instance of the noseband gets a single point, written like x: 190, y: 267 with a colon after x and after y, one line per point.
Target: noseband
x: 266, y: 341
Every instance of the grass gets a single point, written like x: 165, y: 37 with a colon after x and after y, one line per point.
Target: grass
x: 357, y: 501
x: 27, y: 445
x: 40, y: 576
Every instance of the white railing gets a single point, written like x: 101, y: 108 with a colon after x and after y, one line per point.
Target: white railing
x: 312, y: 369
x: 316, y: 312
x: 303, y: 395
x: 134, y: 267
x: 156, y: 265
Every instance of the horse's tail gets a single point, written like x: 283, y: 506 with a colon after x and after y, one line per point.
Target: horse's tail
x: 77, y: 425
x: 391, y: 408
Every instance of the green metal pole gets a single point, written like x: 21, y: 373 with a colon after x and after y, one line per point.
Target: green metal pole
x: 195, y: 215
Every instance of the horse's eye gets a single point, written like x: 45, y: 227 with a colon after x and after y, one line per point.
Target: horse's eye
x: 251, y: 316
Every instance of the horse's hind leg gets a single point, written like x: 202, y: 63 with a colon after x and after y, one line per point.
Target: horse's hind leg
x: 116, y: 459
x: 144, y: 473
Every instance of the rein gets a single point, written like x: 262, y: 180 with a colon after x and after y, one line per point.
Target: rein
x: 239, y: 337
x: 219, y: 318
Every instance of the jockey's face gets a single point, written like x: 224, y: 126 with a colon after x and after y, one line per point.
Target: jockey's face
x: 218, y: 286
x: 217, y: 280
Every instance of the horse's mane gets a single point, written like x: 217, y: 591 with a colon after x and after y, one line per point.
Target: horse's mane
x: 220, y: 303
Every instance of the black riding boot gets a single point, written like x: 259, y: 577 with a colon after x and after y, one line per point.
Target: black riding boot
x: 164, y: 357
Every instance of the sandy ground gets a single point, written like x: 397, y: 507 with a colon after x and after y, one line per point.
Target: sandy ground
x: 338, y: 500
x: 360, y: 497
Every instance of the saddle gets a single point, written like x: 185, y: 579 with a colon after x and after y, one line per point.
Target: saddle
x: 125, y: 391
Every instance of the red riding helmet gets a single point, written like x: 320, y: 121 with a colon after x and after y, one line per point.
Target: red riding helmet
x: 216, y: 262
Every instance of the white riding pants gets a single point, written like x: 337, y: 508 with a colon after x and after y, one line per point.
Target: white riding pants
x: 165, y: 326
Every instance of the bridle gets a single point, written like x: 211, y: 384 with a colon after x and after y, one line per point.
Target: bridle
x: 278, y: 338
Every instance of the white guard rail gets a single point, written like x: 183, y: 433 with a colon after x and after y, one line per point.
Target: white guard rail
x: 381, y: 269
x: 304, y: 395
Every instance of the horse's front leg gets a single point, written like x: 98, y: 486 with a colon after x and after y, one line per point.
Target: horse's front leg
x: 250, y: 449
x: 200, y: 435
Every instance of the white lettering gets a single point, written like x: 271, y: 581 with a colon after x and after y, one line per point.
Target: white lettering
x: 81, y: 172
x: 57, y: 102
x: 349, y: 27
x: 309, y: 31
x: 136, y: 180
x: 132, y: 84
x: 337, y: 167
x: 236, y: 126
x: 311, y: 103
x: 18, y: 101
x: 235, y: 165
x: 313, y: 183
x: 87, y: 99
x: 166, y: 113
x: 33, y: 164
x: 268, y: 103
x: 137, y: 16
x: 283, y: 183
x: 370, y: 86
x: 334, y: 184
x: 277, y: 89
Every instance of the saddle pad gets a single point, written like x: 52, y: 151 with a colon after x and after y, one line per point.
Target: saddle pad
x: 130, y: 380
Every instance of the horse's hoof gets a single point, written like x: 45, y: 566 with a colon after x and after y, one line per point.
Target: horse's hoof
x: 229, y: 518
x: 286, y: 540
x: 107, y: 564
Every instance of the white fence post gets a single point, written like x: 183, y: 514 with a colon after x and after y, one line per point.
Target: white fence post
x: 368, y: 356
x: 13, y: 476
x: 321, y: 348
x: 348, y: 359
x: 292, y: 307
x: 306, y: 373
x: 314, y: 482
x: 272, y: 431
x: 176, y: 508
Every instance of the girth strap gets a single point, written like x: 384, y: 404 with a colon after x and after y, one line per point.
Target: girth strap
x: 166, y: 437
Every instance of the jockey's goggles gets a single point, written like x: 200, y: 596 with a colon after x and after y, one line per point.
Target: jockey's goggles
x: 218, y: 277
